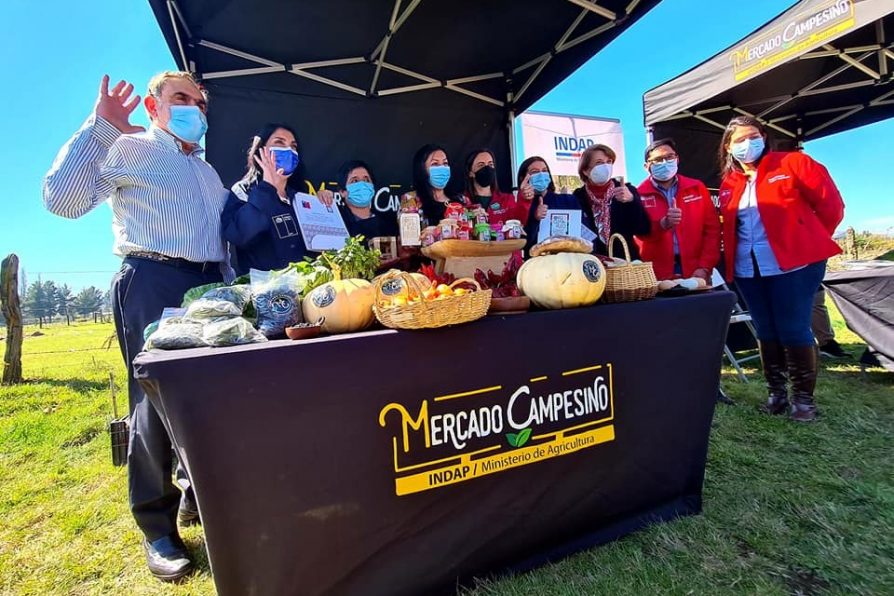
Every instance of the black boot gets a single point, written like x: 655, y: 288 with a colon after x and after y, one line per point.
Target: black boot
x: 802, y: 372
x: 773, y: 363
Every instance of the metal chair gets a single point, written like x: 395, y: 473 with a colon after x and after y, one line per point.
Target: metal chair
x: 739, y: 316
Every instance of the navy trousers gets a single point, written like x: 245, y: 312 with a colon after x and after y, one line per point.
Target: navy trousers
x: 140, y: 292
x: 781, y: 305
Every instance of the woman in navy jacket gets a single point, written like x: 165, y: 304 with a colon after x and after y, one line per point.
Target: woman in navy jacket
x: 258, y: 219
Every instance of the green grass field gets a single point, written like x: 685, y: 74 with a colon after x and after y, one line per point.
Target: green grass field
x: 788, y: 509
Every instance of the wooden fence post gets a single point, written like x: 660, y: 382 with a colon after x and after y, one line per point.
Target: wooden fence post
x: 12, y: 312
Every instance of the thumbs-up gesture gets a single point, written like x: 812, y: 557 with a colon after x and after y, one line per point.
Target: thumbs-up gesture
x: 541, y: 209
x: 674, y: 216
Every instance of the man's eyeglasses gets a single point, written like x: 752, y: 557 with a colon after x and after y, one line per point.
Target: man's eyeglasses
x: 663, y: 158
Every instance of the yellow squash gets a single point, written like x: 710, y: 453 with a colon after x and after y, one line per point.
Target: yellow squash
x: 563, y: 280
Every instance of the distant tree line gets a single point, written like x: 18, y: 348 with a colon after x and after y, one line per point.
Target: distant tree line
x: 45, y: 300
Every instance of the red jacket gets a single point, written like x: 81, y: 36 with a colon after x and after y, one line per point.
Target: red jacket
x: 799, y: 205
x: 503, y: 207
x: 698, y: 233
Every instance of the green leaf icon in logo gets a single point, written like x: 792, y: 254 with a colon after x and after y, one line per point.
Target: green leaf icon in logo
x: 517, y: 440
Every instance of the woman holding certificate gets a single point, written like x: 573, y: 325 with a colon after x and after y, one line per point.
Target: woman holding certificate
x: 259, y: 219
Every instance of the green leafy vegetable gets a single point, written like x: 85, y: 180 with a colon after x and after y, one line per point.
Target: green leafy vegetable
x: 196, y: 293
x: 353, y: 261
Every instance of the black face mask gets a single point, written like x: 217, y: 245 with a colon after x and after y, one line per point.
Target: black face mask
x: 485, y: 176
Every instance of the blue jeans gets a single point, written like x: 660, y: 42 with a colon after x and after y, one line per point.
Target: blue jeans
x: 781, y: 305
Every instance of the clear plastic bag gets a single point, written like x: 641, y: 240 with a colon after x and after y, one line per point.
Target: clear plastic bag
x: 277, y: 300
x: 231, y: 332
x: 238, y: 295
x: 176, y: 334
x: 212, y: 308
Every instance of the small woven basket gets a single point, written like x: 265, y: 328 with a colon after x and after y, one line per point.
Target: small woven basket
x: 628, y: 282
x: 429, y: 314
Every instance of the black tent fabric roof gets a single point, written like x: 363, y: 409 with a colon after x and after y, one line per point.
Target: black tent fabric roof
x: 821, y: 67
x: 377, y: 79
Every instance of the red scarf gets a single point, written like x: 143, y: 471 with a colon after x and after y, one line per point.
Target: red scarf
x: 600, y: 203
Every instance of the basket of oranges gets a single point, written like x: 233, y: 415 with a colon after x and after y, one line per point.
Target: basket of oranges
x: 411, y: 301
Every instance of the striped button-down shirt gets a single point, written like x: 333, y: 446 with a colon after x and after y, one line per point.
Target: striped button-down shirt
x: 163, y: 200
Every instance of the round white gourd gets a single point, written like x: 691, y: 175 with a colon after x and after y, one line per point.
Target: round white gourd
x: 346, y: 305
x: 563, y: 280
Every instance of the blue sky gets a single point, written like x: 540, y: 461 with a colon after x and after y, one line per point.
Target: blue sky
x: 54, y: 53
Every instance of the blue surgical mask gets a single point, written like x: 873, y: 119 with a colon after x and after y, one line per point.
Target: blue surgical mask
x: 188, y: 123
x: 540, y: 181
x: 286, y: 159
x: 664, y: 171
x: 600, y: 173
x: 360, y: 194
x: 439, y: 176
x: 748, y: 150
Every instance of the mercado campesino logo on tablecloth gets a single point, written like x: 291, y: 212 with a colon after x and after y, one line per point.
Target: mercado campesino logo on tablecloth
x: 802, y: 31
x: 462, y: 436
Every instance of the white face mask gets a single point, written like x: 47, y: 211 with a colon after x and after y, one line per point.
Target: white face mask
x: 601, y: 173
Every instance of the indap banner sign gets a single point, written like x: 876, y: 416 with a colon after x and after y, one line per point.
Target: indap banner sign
x: 560, y: 138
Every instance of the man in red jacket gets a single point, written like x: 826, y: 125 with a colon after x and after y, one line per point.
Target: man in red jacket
x: 685, y: 237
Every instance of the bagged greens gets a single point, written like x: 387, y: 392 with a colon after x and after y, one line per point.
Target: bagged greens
x: 231, y: 332
x: 277, y: 300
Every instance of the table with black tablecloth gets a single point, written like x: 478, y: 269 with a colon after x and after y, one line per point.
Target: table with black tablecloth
x: 865, y: 297
x: 393, y: 462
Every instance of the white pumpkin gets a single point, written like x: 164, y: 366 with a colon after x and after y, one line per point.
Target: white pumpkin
x: 346, y: 304
x: 563, y: 280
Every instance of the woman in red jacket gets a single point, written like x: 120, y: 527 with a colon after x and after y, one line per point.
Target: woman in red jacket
x: 483, y: 191
x: 779, y: 213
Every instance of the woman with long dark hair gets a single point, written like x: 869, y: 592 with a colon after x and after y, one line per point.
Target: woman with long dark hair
x: 779, y: 213
x: 483, y: 190
x: 431, y: 176
x: 258, y: 219
x: 537, y: 192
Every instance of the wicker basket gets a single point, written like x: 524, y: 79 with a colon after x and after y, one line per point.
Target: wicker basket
x: 429, y: 314
x: 629, y: 282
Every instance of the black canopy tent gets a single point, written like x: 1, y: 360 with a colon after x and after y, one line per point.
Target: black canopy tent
x: 821, y: 67
x: 377, y: 79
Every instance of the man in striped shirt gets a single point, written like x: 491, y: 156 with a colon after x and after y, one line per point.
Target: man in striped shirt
x: 166, y: 203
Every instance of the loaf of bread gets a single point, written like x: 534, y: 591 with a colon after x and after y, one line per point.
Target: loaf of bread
x: 556, y: 244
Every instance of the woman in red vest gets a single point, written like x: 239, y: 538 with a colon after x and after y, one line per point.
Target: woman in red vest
x: 779, y: 213
x: 482, y: 190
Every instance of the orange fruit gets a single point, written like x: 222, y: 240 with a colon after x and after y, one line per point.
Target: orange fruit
x: 444, y: 290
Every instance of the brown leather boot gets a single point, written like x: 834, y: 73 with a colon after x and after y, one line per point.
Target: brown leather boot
x: 802, y: 372
x: 773, y: 362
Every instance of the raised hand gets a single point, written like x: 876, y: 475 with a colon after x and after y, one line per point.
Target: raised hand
x: 271, y: 174
x: 540, y: 214
x: 527, y: 191
x: 674, y: 216
x: 114, y: 107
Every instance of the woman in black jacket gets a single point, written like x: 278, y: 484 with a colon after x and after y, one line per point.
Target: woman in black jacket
x: 609, y: 206
x: 258, y: 219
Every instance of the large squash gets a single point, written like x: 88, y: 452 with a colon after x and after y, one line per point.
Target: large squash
x: 563, y: 280
x: 346, y: 304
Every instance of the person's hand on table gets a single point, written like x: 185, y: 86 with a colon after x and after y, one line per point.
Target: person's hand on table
x: 674, y: 216
x: 113, y: 106
x: 703, y: 273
